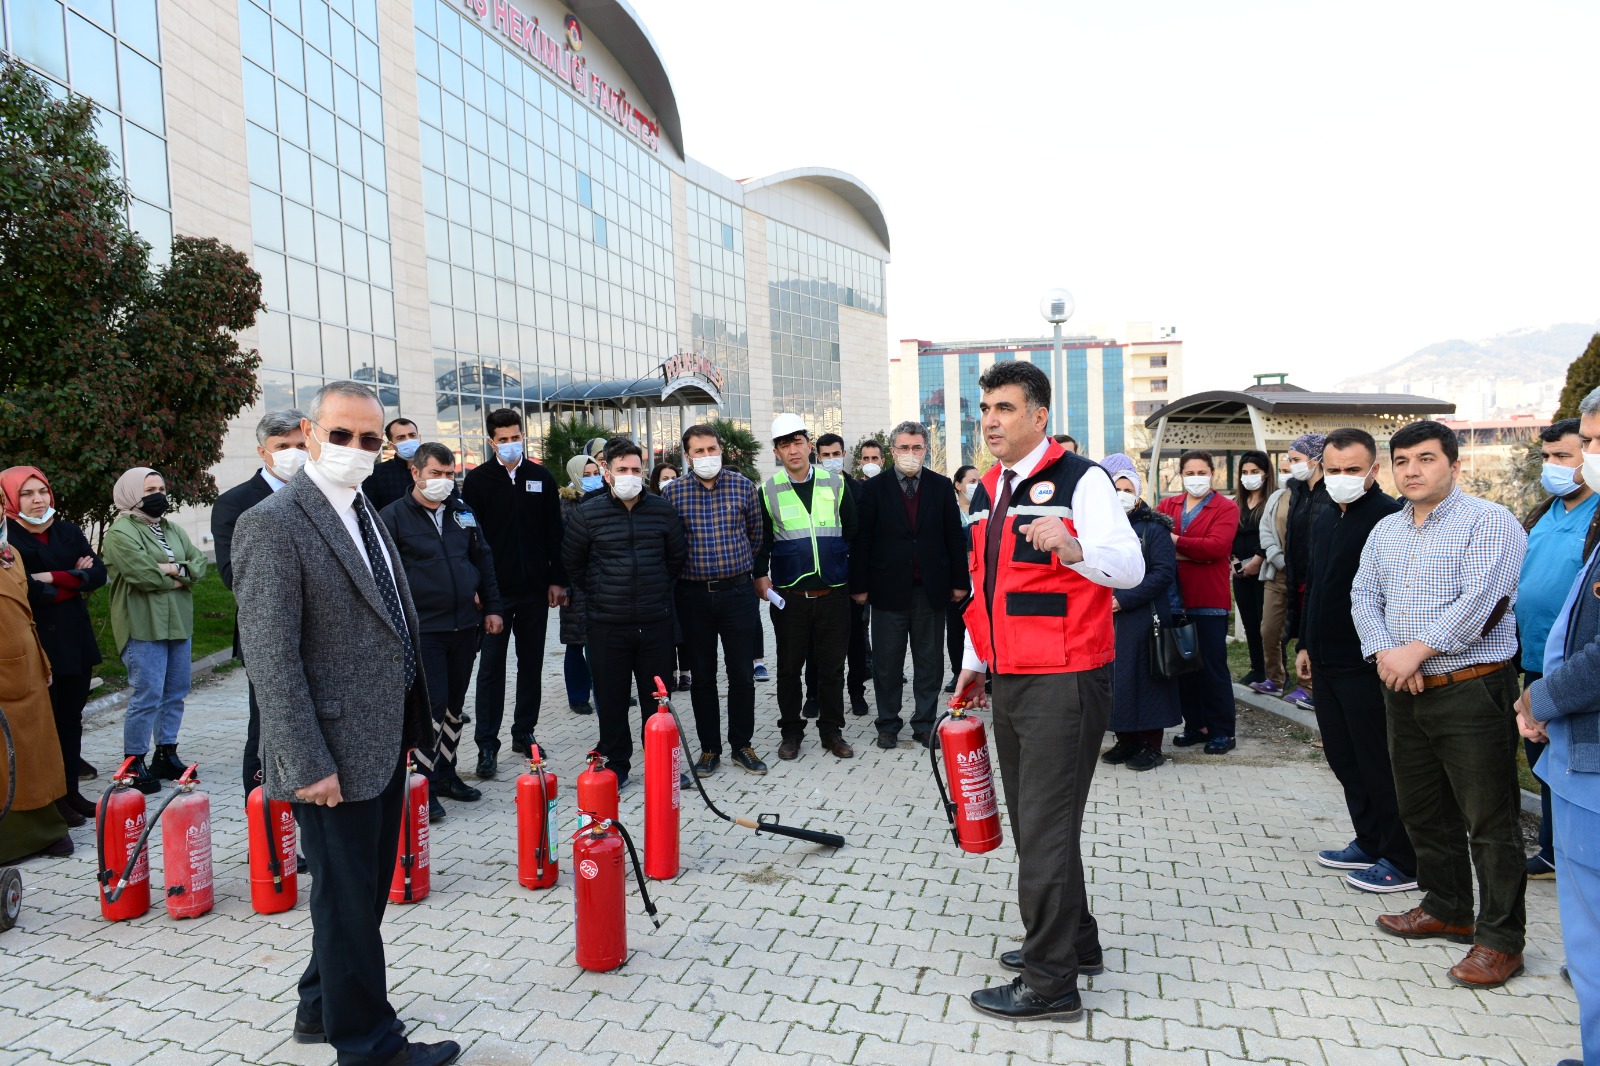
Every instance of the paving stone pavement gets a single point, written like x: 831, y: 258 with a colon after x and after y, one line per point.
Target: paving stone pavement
x: 1223, y: 942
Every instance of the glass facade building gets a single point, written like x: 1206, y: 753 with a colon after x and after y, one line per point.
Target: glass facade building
x: 719, y: 311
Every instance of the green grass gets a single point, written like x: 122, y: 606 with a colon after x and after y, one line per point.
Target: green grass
x: 213, y: 628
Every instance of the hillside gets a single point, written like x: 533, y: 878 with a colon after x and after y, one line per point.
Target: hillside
x: 1524, y: 355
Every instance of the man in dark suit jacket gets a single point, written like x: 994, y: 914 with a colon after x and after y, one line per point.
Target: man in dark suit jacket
x: 908, y: 561
x: 391, y: 479
x: 282, y: 448
x: 325, y: 609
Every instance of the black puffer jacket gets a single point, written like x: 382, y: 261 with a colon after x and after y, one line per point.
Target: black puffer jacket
x: 447, y: 565
x: 625, y: 561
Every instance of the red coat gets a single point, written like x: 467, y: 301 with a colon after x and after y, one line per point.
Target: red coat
x: 1205, y: 570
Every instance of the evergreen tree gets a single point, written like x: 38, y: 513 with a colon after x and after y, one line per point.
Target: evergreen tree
x: 1583, y: 376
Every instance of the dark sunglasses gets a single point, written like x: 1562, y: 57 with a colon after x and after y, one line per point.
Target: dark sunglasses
x: 367, y: 442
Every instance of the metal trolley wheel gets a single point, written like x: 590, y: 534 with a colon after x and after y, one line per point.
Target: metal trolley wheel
x: 10, y: 880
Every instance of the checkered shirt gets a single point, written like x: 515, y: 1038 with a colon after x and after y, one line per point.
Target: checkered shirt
x: 722, y: 523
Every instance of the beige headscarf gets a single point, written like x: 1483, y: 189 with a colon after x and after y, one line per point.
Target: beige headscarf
x: 129, y: 490
x: 575, y: 467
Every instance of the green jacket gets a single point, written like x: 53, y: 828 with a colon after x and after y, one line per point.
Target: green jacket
x: 144, y: 603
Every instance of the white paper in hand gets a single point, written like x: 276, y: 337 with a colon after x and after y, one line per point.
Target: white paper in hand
x: 772, y: 597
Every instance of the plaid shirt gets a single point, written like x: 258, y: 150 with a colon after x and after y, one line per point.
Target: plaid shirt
x: 723, y: 524
x: 1442, y: 583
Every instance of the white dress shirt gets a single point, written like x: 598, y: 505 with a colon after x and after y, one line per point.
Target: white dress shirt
x: 274, y: 482
x: 343, y: 501
x: 1111, y: 553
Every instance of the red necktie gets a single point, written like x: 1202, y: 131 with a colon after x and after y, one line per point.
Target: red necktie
x: 993, y: 532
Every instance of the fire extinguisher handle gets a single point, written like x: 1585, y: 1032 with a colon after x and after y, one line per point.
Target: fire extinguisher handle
x: 768, y: 823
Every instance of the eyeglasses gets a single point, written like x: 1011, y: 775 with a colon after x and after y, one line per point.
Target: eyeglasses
x: 343, y: 438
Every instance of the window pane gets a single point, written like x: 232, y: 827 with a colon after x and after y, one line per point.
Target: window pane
x: 136, y: 24
x: 155, y: 226
x: 94, y: 62
x: 266, y: 217
x: 146, y: 165
x: 38, y: 35
x: 255, y: 33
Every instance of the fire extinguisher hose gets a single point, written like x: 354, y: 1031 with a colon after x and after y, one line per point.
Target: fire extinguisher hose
x: 11, y: 765
x: 766, y: 823
x: 406, y: 857
x: 106, y: 873
x: 944, y: 794
x: 638, y: 873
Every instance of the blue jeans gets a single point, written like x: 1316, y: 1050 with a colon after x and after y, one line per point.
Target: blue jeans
x: 158, y: 674
x: 576, y: 669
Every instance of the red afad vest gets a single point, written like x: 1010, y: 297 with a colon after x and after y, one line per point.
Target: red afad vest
x: 1047, y: 619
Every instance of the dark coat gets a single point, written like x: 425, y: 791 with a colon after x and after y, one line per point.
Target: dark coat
x: 522, y: 522
x: 389, y: 481
x: 1306, y: 506
x: 574, y: 613
x: 886, y: 542
x: 224, y: 516
x: 447, y: 564
x: 1139, y: 701
x: 625, y: 560
x: 63, y: 624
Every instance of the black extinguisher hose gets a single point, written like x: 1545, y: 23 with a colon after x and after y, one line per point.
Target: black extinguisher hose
x: 274, y: 863
x: 944, y: 793
x: 11, y: 765
x: 106, y: 874
x: 638, y: 873
x: 544, y: 820
x: 407, y: 858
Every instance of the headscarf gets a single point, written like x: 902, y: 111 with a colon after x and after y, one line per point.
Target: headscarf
x: 575, y: 467
x: 129, y: 490
x: 11, y: 481
x: 1118, y: 465
x: 1309, y: 445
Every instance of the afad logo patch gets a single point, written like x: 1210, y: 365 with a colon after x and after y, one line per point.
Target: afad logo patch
x: 1041, y: 492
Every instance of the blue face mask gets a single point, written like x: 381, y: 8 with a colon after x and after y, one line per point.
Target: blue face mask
x: 407, y: 448
x: 592, y: 482
x: 509, y: 452
x: 1559, y: 480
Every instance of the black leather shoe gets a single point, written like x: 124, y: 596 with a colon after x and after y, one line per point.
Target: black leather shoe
x: 926, y: 740
x: 313, y: 1033
x: 488, y: 763
x: 440, y: 1054
x: 165, y: 765
x: 143, y: 779
x: 86, y: 772
x: 68, y: 815
x: 1219, y: 745
x: 456, y: 789
x: 436, y: 811
x: 1120, y: 751
x: 888, y: 741
x: 789, y: 748
x: 1187, y: 739
x: 300, y: 864
x: 951, y: 687
x: 1012, y: 960
x: 1019, y: 1002
x: 859, y: 706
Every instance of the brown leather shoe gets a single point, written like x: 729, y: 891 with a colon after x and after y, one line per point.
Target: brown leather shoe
x: 789, y: 748
x: 1485, y: 968
x: 1418, y: 924
x: 838, y: 747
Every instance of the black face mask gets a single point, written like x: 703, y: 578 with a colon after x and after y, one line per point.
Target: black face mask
x: 154, y: 505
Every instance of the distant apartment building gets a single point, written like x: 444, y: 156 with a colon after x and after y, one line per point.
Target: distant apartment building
x: 1102, y: 388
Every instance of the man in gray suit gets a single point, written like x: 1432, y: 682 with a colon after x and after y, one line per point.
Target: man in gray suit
x: 326, y: 612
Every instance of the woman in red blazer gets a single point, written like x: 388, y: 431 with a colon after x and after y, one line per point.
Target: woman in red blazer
x: 1203, y: 525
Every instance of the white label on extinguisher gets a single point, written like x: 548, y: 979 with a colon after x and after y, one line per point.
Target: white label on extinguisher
x: 422, y: 835
x: 975, y: 785
x: 550, y: 831
x: 198, y: 843
x: 286, y: 836
x: 677, y: 776
x: 141, y: 869
x: 589, y: 869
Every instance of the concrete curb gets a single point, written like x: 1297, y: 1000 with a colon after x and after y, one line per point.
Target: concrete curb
x: 116, y: 699
x: 1308, y: 721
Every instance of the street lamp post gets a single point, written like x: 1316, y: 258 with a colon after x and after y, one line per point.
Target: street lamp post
x: 1057, y: 306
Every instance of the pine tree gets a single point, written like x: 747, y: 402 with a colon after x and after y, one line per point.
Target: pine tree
x: 1583, y: 377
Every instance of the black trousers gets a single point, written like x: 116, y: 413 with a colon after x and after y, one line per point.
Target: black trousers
x: 955, y: 633
x: 525, y: 622
x: 812, y: 630
x: 1355, y: 738
x: 1206, y: 695
x: 1047, y: 730
x: 251, y: 763
x: 68, y: 694
x: 350, y: 850
x: 730, y: 616
x: 922, y: 626
x: 1249, y: 595
x: 858, y: 657
x: 618, y: 654
x: 1454, y: 751
x: 447, y: 665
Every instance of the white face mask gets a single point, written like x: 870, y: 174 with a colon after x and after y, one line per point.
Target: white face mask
x: 1128, y: 500
x: 438, y: 488
x: 706, y: 466
x: 834, y: 464
x: 1300, y: 471
x: 1197, y: 485
x: 870, y: 469
x: 1284, y: 479
x: 1251, y: 482
x: 661, y: 486
x: 971, y: 490
x: 1591, y: 469
x: 49, y: 513
x: 344, y: 466
x: 1345, y: 488
x: 627, y: 486
x: 908, y: 465
x: 287, y: 463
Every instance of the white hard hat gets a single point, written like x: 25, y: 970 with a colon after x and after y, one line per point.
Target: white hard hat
x: 787, y: 425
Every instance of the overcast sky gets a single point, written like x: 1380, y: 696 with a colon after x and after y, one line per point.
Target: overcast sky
x: 1318, y: 188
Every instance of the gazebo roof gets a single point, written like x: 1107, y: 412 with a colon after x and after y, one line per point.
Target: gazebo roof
x: 1225, y: 406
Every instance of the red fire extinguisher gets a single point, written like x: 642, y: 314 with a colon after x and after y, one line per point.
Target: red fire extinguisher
x: 600, y: 894
x: 274, y: 881
x: 537, y: 866
x: 412, y: 877
x: 975, y: 814
x: 186, y: 849
x: 596, y: 791
x: 663, y: 770
x: 120, y: 831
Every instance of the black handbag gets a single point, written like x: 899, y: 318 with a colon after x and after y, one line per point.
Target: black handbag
x: 1174, y: 648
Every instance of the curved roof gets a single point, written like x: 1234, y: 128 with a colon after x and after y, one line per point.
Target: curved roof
x: 623, y: 33
x: 850, y: 189
x: 1224, y: 406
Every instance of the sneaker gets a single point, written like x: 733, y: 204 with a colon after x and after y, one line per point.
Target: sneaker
x: 1306, y: 704
x: 1349, y: 857
x: 685, y: 782
x: 749, y: 760
x: 1268, y: 687
x: 1541, y: 868
x: 707, y: 764
x: 1120, y: 751
x: 1296, y: 696
x: 761, y: 672
x: 1381, y: 876
x: 581, y: 708
x: 1219, y: 745
x: 1146, y: 758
